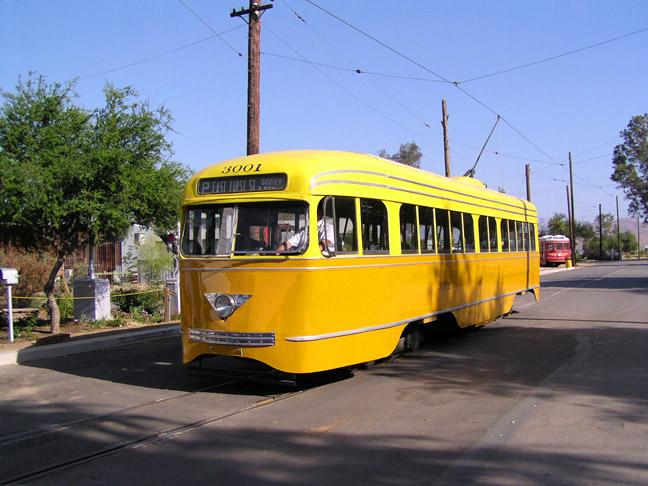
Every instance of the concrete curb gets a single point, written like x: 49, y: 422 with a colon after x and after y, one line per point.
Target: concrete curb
x: 85, y: 345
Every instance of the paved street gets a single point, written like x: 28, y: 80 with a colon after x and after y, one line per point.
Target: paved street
x: 556, y: 393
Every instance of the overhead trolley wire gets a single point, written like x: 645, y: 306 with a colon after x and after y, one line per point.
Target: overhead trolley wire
x: 348, y: 60
x: 551, y: 58
x: 204, y: 22
x: 162, y: 54
x: 456, y: 84
x: 342, y: 87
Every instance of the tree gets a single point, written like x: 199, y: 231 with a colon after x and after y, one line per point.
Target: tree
x: 408, y: 154
x: 630, y: 161
x: 608, y: 226
x: 72, y: 177
x: 558, y: 225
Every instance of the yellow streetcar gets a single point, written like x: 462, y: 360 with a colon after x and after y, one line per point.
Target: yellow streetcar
x: 314, y: 260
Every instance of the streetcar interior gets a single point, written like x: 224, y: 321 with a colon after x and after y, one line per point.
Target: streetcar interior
x: 246, y: 228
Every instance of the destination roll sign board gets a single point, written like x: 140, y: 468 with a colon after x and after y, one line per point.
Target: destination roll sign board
x: 247, y: 183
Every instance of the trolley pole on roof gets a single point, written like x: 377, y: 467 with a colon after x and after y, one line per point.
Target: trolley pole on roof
x: 527, y: 168
x: 573, y: 213
x: 446, y: 142
x: 254, y: 13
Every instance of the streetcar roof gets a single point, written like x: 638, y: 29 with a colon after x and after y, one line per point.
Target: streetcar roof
x: 323, y: 172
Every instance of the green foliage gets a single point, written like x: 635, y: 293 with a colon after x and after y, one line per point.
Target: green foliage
x: 137, y: 301
x: 408, y: 154
x: 66, y: 307
x: 72, y: 176
x: 630, y: 161
x: 558, y: 225
x: 24, y: 327
x: 608, y: 226
x: 153, y: 260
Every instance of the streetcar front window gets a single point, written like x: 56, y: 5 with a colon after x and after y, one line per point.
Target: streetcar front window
x: 248, y: 228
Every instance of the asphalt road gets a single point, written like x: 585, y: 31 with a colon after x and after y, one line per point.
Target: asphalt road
x: 554, y: 394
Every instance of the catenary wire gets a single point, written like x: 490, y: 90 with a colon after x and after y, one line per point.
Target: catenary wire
x: 456, y: 84
x: 206, y: 24
x: 162, y: 54
x: 557, y: 56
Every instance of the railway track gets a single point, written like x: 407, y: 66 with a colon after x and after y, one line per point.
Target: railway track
x: 116, y: 447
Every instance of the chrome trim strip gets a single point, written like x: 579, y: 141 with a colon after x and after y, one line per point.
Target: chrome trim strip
x: 242, y: 339
x: 523, y: 211
x: 402, y: 179
x: 341, y: 267
x: 379, y: 327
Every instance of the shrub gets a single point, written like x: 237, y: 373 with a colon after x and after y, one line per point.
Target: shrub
x: 33, y: 269
x: 130, y: 299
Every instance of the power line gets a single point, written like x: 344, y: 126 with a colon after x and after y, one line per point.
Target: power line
x: 557, y: 56
x: 342, y: 87
x: 351, y: 70
x: 157, y: 56
x: 206, y: 24
x: 348, y: 60
x: 456, y: 84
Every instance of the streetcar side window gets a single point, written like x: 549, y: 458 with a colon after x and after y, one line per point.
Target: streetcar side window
x: 506, y: 241
x: 345, y: 216
x: 457, y: 232
x: 443, y: 231
x: 532, y: 237
x: 492, y: 233
x: 375, y: 234
x: 482, y: 229
x: 519, y: 236
x: 469, y: 232
x: 426, y: 230
x: 408, y: 235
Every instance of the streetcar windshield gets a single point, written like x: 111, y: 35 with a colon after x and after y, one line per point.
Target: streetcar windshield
x: 248, y: 228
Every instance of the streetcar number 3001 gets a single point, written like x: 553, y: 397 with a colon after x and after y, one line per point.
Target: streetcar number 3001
x: 235, y: 169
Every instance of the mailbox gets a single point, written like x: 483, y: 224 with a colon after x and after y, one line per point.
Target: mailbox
x: 8, y: 276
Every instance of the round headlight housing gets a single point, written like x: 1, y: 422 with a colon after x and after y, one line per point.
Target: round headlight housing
x: 225, y: 305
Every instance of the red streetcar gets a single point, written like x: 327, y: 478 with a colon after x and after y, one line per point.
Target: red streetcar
x: 554, y: 250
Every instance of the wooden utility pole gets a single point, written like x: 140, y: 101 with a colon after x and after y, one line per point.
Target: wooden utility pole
x: 570, y: 228
x: 527, y: 168
x: 446, y: 142
x: 618, y: 229
x: 254, y: 71
x: 573, y: 212
x: 600, y: 233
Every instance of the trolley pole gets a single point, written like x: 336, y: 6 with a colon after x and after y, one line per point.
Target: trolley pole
x: 527, y: 168
x: 573, y: 212
x: 254, y: 71
x: 446, y: 142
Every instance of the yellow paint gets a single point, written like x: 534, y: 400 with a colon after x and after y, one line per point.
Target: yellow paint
x: 308, y: 295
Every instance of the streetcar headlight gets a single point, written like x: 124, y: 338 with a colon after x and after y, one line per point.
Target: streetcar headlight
x: 225, y: 305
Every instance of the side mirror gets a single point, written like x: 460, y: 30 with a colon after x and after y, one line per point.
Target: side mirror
x: 172, y: 243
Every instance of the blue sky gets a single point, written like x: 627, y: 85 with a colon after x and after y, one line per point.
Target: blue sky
x: 576, y: 103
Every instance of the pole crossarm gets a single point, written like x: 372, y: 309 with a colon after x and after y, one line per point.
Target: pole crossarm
x: 252, y: 10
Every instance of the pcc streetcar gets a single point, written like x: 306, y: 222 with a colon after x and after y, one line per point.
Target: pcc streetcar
x: 554, y: 250
x: 314, y: 260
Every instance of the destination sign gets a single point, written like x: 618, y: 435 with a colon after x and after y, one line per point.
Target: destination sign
x: 247, y: 183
